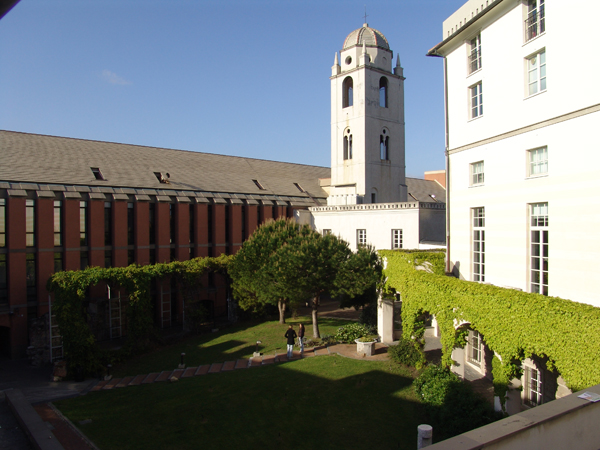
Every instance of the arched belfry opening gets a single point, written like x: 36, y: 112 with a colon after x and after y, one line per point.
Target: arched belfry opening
x: 348, y: 95
x: 383, y: 92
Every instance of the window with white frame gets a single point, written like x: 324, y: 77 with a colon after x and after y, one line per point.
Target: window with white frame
x: 475, y: 54
x: 532, y: 389
x: 477, y: 173
x: 537, y: 161
x: 326, y: 231
x: 361, y: 238
x: 535, y: 23
x: 476, y: 96
x: 478, y: 244
x: 539, y: 248
x: 396, y: 239
x: 474, y: 348
x: 536, y: 73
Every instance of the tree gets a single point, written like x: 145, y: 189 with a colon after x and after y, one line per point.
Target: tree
x: 258, y: 276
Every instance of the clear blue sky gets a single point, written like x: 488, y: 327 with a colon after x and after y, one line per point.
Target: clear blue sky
x: 235, y: 77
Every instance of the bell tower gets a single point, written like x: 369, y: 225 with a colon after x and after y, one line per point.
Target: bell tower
x: 367, y: 122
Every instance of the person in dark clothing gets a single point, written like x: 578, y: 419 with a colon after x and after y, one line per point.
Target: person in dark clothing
x: 301, y: 337
x: 290, y: 334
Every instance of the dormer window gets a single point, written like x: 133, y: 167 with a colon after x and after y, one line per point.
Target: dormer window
x: 258, y: 185
x: 97, y: 174
x: 162, y: 177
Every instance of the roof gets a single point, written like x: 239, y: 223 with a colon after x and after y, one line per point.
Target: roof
x: 425, y: 190
x: 33, y: 158
x: 370, y: 36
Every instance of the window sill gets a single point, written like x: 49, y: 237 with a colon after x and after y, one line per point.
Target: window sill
x: 474, y: 118
x: 536, y: 94
x: 533, y: 177
x: 476, y: 185
x: 534, y: 38
x: 475, y: 72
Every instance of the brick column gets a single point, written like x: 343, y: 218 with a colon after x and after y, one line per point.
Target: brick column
x: 141, y: 234
x: 96, y: 233
x: 44, y: 229
x: 251, y: 217
x: 235, y: 227
x: 71, y: 234
x: 182, y: 231
x: 17, y: 283
x: 119, y: 233
x: 163, y: 227
x: 219, y: 238
x: 201, y: 238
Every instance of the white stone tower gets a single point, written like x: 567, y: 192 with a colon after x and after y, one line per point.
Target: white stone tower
x: 367, y: 122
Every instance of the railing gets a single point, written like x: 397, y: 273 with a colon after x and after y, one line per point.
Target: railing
x: 535, y: 24
x: 474, y: 61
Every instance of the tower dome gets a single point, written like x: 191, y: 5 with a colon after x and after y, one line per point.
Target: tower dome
x: 369, y: 36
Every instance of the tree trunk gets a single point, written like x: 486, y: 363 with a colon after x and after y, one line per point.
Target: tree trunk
x: 315, y: 311
x: 281, y: 306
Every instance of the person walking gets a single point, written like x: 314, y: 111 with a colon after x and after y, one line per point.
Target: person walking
x: 301, y: 338
x: 290, y: 334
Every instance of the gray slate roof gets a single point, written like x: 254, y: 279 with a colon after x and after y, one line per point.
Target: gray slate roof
x: 32, y: 158
x: 422, y: 189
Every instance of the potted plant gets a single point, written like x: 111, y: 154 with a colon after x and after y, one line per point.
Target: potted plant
x: 365, y: 344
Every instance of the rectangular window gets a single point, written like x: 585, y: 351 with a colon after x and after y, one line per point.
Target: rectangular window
x: 474, y: 350
x: 396, y: 239
x: 130, y: 257
x: 536, y: 73
x: 30, y: 277
x: 83, y: 242
x: 57, y: 223
x: 171, y: 223
x: 130, y: 224
x: 30, y: 223
x: 539, y: 248
x: 192, y: 223
x: 152, y: 222
x: 326, y: 232
x: 3, y: 281
x: 209, y: 218
x: 476, y: 94
x: 361, y: 238
x: 58, y: 262
x: 535, y: 24
x: 84, y: 261
x: 477, y: 173
x: 475, y: 54
x: 107, y: 223
x: 478, y: 244
x: 537, y: 161
x: 2, y: 223
x: 532, y: 391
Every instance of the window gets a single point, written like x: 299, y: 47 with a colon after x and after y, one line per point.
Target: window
x: 347, y: 145
x: 477, y: 173
x: 361, y: 238
x: 396, y: 239
x: 97, y: 174
x: 130, y: 225
x: 152, y: 222
x: 30, y: 223
x: 107, y: 223
x: 107, y: 258
x: 373, y: 197
x: 326, y: 232
x: 478, y: 244
x: 383, y: 96
x: 83, y: 224
x: 474, y: 348
x: 347, y: 95
x: 384, y: 142
x: 475, y: 54
x: 532, y: 391
x: 537, y: 161
x: 171, y: 224
x: 535, y: 24
x: 476, y: 93
x: 539, y: 248
x: 258, y: 185
x: 57, y: 223
x: 3, y: 281
x: 2, y: 223
x: 192, y: 223
x: 84, y: 261
x: 30, y: 277
x: 58, y: 262
x: 536, y: 73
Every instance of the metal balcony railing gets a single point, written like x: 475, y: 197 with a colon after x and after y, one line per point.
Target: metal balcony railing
x: 474, y: 61
x: 535, y: 24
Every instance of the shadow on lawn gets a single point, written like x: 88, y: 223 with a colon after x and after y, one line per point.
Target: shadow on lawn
x: 301, y: 404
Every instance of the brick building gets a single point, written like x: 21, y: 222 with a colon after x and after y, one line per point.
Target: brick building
x: 69, y: 203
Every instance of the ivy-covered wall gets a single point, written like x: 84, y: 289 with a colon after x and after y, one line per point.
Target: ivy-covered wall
x: 70, y: 287
x: 514, y: 324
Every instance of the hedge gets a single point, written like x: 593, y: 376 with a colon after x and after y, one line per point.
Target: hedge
x: 514, y: 324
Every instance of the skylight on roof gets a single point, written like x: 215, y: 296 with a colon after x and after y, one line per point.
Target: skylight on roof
x: 300, y: 188
x: 97, y: 174
x: 258, y: 185
x: 163, y: 178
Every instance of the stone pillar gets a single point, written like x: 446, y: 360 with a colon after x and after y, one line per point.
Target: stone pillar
x: 425, y: 438
x: 385, y: 319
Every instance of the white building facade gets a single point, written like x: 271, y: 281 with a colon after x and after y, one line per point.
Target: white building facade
x: 522, y: 156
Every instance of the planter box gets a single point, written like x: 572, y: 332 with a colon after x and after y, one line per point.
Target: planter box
x: 365, y: 348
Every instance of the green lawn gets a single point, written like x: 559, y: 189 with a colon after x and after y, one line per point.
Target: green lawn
x: 228, y: 344
x: 324, y: 402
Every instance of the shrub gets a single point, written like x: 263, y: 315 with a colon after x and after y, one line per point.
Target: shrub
x: 350, y: 333
x: 452, y: 406
x: 407, y: 352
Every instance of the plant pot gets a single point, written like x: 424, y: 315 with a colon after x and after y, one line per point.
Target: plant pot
x: 365, y: 348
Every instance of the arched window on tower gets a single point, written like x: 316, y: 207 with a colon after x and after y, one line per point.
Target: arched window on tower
x: 383, y: 88
x: 384, y: 145
x: 348, y: 96
x: 347, y: 145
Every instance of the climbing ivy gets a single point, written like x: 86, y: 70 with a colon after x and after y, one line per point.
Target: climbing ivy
x: 514, y: 324
x: 70, y: 287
